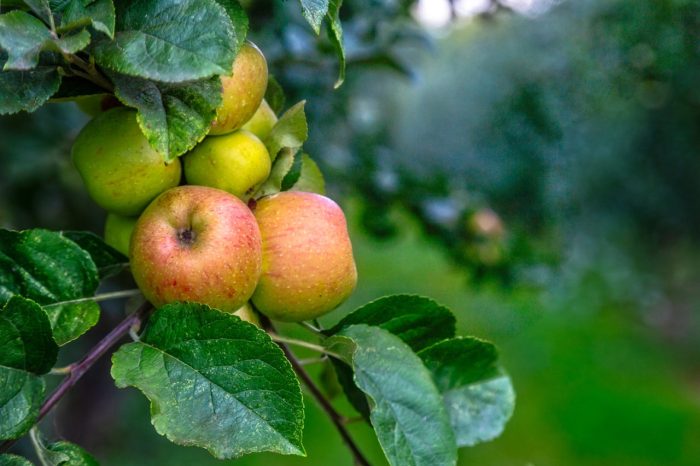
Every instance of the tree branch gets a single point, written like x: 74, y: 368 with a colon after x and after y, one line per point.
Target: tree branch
x: 337, y: 419
x: 78, y: 369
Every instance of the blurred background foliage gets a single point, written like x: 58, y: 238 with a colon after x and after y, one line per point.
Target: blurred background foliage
x: 531, y: 164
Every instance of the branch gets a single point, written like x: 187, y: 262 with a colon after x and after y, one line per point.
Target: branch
x: 78, y: 369
x: 337, y: 419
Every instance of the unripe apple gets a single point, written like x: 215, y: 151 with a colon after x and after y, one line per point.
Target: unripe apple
x: 200, y: 244
x: 308, y: 268
x: 242, y: 91
x: 247, y: 313
x: 93, y: 105
x: 262, y: 121
x: 121, y: 171
x: 235, y: 162
x: 118, y: 231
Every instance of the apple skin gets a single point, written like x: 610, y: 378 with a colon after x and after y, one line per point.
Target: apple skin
x: 308, y: 267
x: 121, y: 171
x: 235, y: 163
x: 247, y: 313
x: 200, y: 244
x: 262, y: 121
x: 118, y: 230
x: 242, y: 91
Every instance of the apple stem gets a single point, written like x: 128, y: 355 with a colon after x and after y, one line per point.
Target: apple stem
x: 78, y: 369
x: 337, y: 418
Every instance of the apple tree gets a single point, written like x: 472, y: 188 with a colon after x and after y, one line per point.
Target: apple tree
x: 221, y: 218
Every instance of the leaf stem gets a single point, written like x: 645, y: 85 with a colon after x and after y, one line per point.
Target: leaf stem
x: 335, y: 416
x: 38, y: 444
x: 311, y: 328
x: 78, y: 369
x: 100, y: 297
x: 304, y: 344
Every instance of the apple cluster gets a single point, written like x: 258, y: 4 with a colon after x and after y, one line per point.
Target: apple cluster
x: 193, y: 228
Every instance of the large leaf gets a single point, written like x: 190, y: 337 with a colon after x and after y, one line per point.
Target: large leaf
x: 27, y: 90
x: 314, y: 11
x: 22, y: 36
x: 14, y: 460
x: 53, y: 271
x: 27, y: 350
x: 174, y: 117
x: 214, y: 381
x: 479, y: 397
x: 170, y: 40
x: 108, y: 260
x: 97, y: 13
x: 238, y: 18
x: 335, y: 32
x: 418, y: 321
x: 406, y: 409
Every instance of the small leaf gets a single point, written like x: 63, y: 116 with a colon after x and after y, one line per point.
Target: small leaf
x: 173, y: 117
x: 214, y: 381
x: 27, y: 350
x: 314, y: 11
x: 290, y: 131
x: 27, y: 90
x: 75, y: 455
x: 170, y: 40
x: 335, y: 32
x: 479, y: 397
x: 282, y: 165
x: 310, y: 178
x: 406, y: 409
x: 292, y: 176
x: 274, y: 95
x: 79, y: 13
x: 108, y: 260
x: 53, y: 271
x: 73, y: 43
x: 22, y: 36
x: 418, y: 321
x: 14, y: 460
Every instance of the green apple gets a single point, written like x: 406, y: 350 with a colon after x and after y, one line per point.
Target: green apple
x: 262, y: 121
x: 118, y: 231
x: 121, y: 171
x: 200, y: 244
x: 247, y: 313
x: 93, y: 105
x: 308, y: 268
x: 236, y: 163
x: 242, y: 91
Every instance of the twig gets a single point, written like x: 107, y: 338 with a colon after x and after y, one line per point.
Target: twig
x: 335, y: 416
x: 100, y: 297
x: 301, y: 343
x: 80, y: 368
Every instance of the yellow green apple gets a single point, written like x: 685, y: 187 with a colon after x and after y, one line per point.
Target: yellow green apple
x: 242, y: 91
x: 200, y: 244
x: 236, y: 163
x: 118, y: 231
x: 247, y: 313
x: 121, y: 171
x: 308, y: 268
x: 262, y: 121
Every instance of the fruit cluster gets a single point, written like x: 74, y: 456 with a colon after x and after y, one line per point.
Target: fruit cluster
x: 194, y: 229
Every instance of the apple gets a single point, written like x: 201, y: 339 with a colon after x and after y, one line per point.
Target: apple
x: 247, y: 313
x: 200, y: 244
x: 93, y: 105
x: 118, y: 231
x: 308, y: 268
x: 242, y: 91
x: 236, y: 163
x: 121, y: 171
x: 262, y: 121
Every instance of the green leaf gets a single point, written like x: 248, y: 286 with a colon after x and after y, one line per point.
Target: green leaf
x: 290, y: 131
x: 73, y: 43
x: 74, y: 455
x: 282, y: 165
x: 41, y: 8
x: 478, y: 395
x: 214, y: 381
x: 293, y: 174
x: 274, y: 94
x: 406, y: 409
x: 27, y: 90
x: 72, y: 87
x: 310, y: 178
x: 22, y: 36
x: 14, y: 460
x: 79, y: 13
x: 54, y: 271
x: 418, y: 321
x: 335, y: 32
x: 314, y: 12
x: 238, y: 18
x: 27, y: 350
x: 174, y: 117
x: 108, y: 260
x: 170, y: 40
